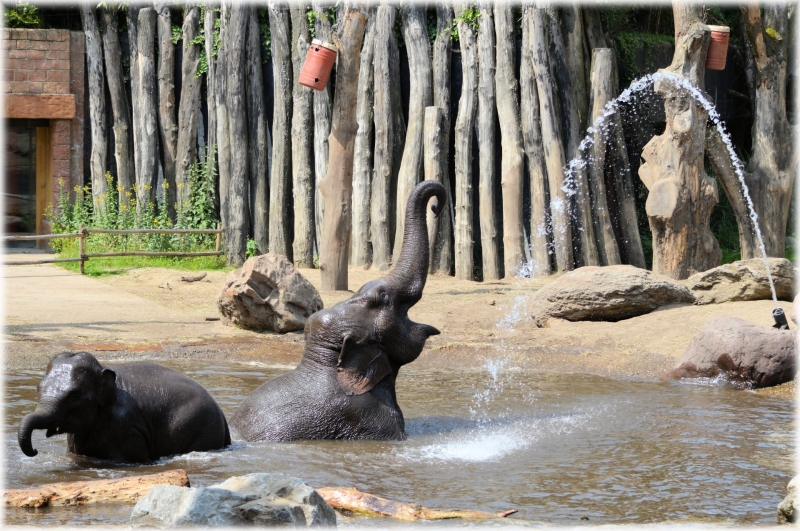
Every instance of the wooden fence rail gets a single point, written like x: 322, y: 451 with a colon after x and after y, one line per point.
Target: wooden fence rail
x: 84, y: 233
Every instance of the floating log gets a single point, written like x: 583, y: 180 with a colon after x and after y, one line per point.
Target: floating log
x: 353, y: 500
x: 122, y: 490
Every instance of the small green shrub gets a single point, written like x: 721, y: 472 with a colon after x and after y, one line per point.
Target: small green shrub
x: 23, y: 15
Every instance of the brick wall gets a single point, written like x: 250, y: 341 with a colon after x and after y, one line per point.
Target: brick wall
x: 36, y: 61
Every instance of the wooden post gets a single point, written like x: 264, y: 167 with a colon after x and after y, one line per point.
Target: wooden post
x: 81, y: 246
x: 186, y: 137
x: 168, y: 125
x: 218, y: 243
x: 322, y: 122
x: 337, y: 187
x: 97, y: 106
x: 435, y: 143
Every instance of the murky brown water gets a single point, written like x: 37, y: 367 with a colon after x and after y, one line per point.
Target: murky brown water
x: 554, y: 446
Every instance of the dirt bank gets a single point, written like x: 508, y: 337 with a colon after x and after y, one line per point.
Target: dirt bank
x: 151, y: 313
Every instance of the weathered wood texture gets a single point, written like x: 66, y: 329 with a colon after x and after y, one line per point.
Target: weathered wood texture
x: 302, y: 143
x: 415, y: 35
x: 280, y: 172
x: 145, y: 112
x: 360, y: 244
x: 512, y: 165
x: 168, y: 126
x: 534, y: 154
x: 209, y: 21
x: 435, y: 142
x: 386, y: 97
x: 97, y: 106
x: 322, y: 121
x: 258, y: 135
x: 489, y: 222
x: 465, y: 122
x: 237, y: 225
x: 573, y: 33
x: 555, y: 158
x: 337, y: 187
x: 602, y: 93
x: 442, y: 252
x: 123, y: 139
x: 223, y: 127
x: 120, y: 490
x: 681, y: 195
x: 188, y: 109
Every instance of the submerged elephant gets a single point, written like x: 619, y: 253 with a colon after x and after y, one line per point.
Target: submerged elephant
x: 135, y: 412
x: 344, y: 386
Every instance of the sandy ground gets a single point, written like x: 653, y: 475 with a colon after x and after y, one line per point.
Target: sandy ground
x: 151, y: 313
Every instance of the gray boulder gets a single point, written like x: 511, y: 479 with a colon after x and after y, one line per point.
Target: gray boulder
x: 795, y: 309
x: 610, y: 293
x: 254, y: 499
x: 268, y: 293
x: 786, y: 512
x: 747, y: 355
x: 745, y: 280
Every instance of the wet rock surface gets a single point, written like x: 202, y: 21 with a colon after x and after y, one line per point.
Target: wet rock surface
x: 745, y: 280
x: 610, y: 293
x: 786, y: 511
x: 255, y: 499
x: 747, y: 355
x: 268, y: 293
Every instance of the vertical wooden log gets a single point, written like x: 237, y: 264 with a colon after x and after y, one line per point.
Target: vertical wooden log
x: 209, y: 21
x: 465, y: 122
x: 555, y: 158
x: 97, y: 107
x: 145, y: 108
x: 322, y: 124
x: 442, y: 250
x: 681, y: 195
x: 280, y: 172
x: 572, y: 28
x: 187, y: 111
x: 435, y: 142
x: 302, y: 140
x: 360, y: 245
x: 386, y: 135
x: 168, y: 127
x: 602, y: 61
x: 415, y: 35
x: 490, y: 233
x: 239, y: 214
x: 123, y: 141
x: 337, y: 187
x: 81, y: 247
x: 511, y: 141
x: 258, y: 135
x: 223, y: 125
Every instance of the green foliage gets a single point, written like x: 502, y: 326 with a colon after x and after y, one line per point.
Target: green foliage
x: 200, y: 40
x: 23, y: 15
x: 177, y: 34
x: 264, y: 31
x: 469, y: 16
x: 252, y: 248
x: 627, y: 43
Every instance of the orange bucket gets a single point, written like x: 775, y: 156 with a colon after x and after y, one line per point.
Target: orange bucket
x: 318, y: 65
x: 718, y: 47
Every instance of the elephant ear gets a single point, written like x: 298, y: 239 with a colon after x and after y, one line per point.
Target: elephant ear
x: 108, y: 387
x: 361, y: 367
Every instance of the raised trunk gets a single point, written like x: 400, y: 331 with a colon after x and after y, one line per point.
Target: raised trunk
x: 187, y: 112
x: 442, y: 257
x: 123, y: 139
x: 97, y: 108
x: 465, y: 122
x: 360, y: 244
x: 490, y: 233
x: 280, y: 172
x: 386, y: 91
x: 168, y: 127
x: 237, y: 228
x: 337, y: 187
x: 322, y: 123
x: 302, y: 139
x: 535, y: 154
x: 511, y: 141
x: 42, y: 418
x: 258, y: 136
x: 555, y: 159
x: 144, y: 108
x: 415, y: 36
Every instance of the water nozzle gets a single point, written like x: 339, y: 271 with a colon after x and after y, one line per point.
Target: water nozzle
x: 780, y: 319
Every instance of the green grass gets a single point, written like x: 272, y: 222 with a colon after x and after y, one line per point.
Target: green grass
x: 117, y: 265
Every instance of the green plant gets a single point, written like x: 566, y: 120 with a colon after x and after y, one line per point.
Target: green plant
x: 468, y: 16
x: 23, y: 15
x: 628, y: 43
x: 264, y: 31
x: 252, y: 248
x: 177, y: 34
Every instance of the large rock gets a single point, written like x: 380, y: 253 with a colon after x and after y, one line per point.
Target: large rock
x: 254, y: 499
x: 608, y: 293
x: 786, y: 512
x: 747, y: 355
x: 268, y: 293
x: 745, y: 280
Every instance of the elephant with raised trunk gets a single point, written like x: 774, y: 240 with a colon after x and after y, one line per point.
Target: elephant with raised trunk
x: 344, y: 386
x: 133, y: 412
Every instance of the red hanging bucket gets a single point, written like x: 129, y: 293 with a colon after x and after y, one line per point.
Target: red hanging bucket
x: 718, y: 47
x: 318, y: 65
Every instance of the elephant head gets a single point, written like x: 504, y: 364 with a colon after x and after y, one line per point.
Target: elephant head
x: 72, y: 393
x: 370, y: 336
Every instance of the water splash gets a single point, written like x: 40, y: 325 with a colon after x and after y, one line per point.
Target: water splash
x: 516, y: 314
x: 570, y: 184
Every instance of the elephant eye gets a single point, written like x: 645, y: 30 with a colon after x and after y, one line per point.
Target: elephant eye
x: 384, y: 297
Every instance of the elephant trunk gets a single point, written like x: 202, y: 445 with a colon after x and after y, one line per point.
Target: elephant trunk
x: 411, y: 270
x: 38, y: 420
